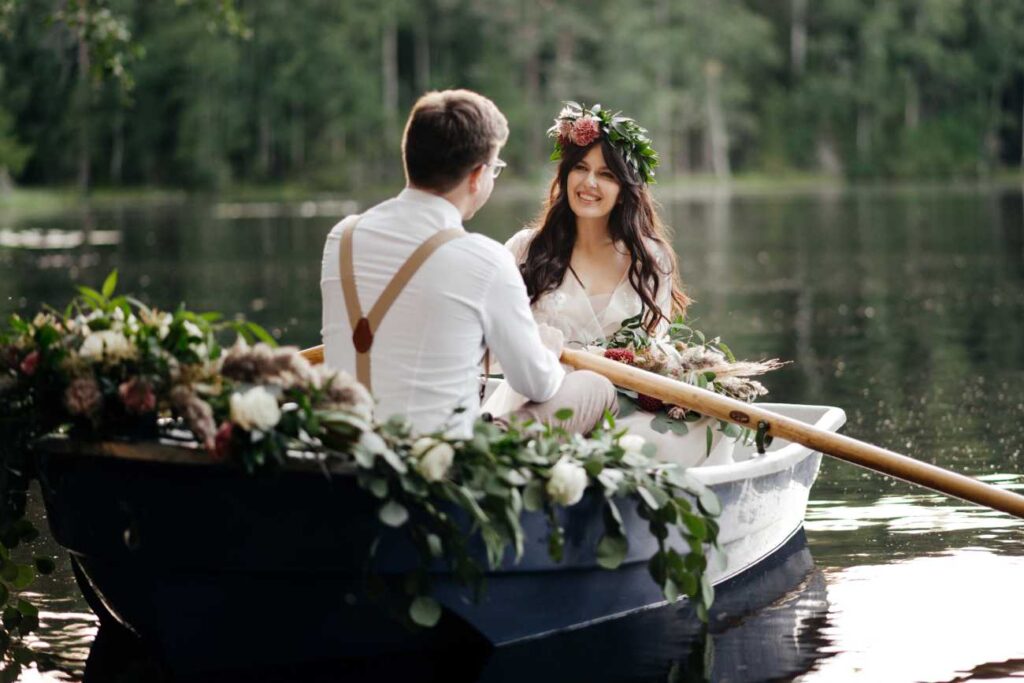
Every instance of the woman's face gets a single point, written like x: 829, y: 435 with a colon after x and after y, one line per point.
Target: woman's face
x: 592, y: 188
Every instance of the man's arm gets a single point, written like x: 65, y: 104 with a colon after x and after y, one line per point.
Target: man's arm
x: 511, y: 334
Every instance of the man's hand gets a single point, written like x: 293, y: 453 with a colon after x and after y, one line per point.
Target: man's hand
x: 552, y: 338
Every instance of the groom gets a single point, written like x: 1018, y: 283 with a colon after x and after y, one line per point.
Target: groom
x: 411, y: 301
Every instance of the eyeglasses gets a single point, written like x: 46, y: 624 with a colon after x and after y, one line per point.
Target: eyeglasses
x: 496, y: 167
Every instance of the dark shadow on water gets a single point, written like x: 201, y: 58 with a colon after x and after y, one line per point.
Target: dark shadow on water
x: 766, y: 625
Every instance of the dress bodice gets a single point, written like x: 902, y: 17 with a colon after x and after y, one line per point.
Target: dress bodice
x: 583, y: 318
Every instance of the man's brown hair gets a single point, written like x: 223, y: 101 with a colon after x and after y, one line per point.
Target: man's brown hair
x: 448, y: 134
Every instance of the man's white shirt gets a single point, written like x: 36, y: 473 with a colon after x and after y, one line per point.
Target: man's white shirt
x: 469, y: 295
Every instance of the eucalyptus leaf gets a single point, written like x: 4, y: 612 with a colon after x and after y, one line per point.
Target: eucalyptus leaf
x: 533, y: 495
x: 660, y: 424
x: 425, y: 611
x: 611, y: 551
x: 393, y: 514
x: 563, y: 414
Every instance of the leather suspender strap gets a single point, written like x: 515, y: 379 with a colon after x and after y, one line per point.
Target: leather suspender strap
x: 365, y: 326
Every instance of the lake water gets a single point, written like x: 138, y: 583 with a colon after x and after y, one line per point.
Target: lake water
x: 904, y: 306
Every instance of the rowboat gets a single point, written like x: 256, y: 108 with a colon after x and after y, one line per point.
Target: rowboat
x: 274, y: 570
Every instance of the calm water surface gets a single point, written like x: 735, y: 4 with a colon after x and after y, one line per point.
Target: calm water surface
x: 903, y: 306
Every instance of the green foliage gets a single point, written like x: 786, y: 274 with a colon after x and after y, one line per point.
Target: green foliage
x: 265, y: 91
x: 255, y: 407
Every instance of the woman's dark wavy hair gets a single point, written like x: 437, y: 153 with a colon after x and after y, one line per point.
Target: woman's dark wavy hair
x: 633, y: 220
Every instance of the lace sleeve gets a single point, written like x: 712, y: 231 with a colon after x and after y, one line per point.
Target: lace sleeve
x: 519, y: 243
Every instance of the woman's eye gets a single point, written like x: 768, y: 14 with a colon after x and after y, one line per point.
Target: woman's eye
x: 608, y: 174
x: 579, y: 167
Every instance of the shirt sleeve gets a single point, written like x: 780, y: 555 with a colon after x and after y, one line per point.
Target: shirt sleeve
x: 519, y: 243
x: 511, y: 334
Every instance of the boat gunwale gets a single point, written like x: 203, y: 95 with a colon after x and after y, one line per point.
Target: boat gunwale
x: 171, y: 451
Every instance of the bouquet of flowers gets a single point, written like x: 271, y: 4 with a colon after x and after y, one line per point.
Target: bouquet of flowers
x: 687, y: 355
x: 109, y: 366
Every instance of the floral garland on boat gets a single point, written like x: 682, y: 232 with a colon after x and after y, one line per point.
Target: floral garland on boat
x: 685, y: 354
x: 111, y: 365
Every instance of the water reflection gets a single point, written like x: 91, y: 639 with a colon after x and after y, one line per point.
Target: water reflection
x: 951, y: 617
x: 766, y: 625
x: 906, y: 307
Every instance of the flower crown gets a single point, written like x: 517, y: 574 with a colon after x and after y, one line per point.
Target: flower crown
x: 580, y: 126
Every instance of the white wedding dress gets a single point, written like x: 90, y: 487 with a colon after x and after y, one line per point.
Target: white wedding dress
x: 585, y: 319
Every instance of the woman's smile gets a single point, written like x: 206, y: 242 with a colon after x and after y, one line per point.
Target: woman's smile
x: 593, y: 188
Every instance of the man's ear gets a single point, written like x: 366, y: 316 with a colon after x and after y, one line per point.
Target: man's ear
x: 474, y: 178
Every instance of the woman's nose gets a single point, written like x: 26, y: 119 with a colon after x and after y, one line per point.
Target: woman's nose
x: 591, y: 180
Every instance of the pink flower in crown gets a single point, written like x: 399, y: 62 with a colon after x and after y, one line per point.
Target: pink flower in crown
x: 584, y: 131
x: 564, y: 131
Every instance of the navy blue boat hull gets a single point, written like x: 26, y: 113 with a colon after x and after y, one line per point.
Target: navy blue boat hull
x: 216, y: 569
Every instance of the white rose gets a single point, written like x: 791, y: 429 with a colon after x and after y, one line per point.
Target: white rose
x: 632, y: 443
x: 422, y: 445
x: 255, y: 409
x: 567, y: 483
x: 105, y: 344
x: 164, y: 321
x: 435, y: 463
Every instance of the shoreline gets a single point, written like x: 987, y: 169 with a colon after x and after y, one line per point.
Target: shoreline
x: 33, y: 201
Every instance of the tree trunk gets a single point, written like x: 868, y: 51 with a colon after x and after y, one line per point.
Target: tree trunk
x: 718, y: 135
x: 912, y: 104
x: 265, y: 140
x: 84, y: 102
x: 1022, y: 122
x: 797, y: 36
x: 666, y: 97
x: 117, y: 148
x: 529, y: 39
x: 863, y: 135
x: 389, y: 76
x: 5, y: 182
x: 422, y: 37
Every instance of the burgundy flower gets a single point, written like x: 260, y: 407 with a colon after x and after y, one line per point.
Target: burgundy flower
x: 584, y: 131
x: 222, y: 441
x: 83, y: 397
x: 137, y: 396
x: 649, y: 403
x: 621, y: 355
x: 29, y: 365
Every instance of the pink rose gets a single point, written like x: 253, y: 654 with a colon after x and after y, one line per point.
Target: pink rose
x: 584, y: 131
x: 222, y: 441
x: 137, y: 396
x: 29, y: 365
x: 83, y: 397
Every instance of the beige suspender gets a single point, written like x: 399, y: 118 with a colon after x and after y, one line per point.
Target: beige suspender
x: 364, y: 327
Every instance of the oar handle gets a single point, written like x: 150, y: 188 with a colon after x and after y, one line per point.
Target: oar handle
x: 843, y: 447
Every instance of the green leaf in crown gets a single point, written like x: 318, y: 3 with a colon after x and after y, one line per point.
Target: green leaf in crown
x: 580, y: 126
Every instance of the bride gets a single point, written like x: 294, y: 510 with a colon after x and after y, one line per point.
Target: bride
x: 598, y: 254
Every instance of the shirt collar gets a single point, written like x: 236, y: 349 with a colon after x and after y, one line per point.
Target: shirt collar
x: 451, y: 215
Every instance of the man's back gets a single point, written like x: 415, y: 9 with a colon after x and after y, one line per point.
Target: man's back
x: 427, y: 350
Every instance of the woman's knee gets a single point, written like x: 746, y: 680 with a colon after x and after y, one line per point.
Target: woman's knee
x: 600, y: 388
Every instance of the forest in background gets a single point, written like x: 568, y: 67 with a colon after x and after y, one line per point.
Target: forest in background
x: 206, y: 94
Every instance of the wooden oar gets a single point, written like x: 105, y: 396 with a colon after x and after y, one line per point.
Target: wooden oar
x: 749, y: 415
x: 843, y: 447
